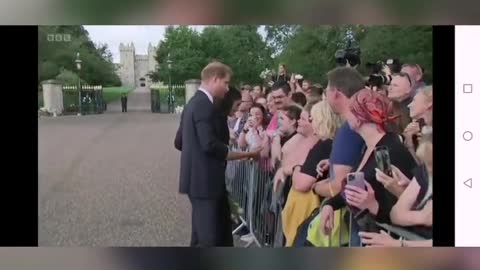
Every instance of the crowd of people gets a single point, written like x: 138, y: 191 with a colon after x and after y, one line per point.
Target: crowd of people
x: 322, y: 145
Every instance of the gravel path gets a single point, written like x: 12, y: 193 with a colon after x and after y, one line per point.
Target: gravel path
x: 111, y: 179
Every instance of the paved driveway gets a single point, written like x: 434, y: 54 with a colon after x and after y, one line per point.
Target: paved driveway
x: 111, y: 179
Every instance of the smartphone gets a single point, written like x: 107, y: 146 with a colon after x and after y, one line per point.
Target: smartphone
x: 382, y: 156
x: 366, y: 222
x: 356, y: 179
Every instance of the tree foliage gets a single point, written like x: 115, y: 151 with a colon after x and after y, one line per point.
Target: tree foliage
x: 182, y: 46
x: 310, y: 50
x: 410, y: 44
x: 68, y: 77
x: 56, y: 56
x: 307, y: 50
x: 277, y: 36
x: 240, y: 47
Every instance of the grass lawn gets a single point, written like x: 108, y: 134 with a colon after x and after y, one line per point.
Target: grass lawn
x: 114, y: 93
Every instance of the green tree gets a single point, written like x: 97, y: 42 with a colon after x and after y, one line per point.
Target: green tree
x: 410, y: 44
x: 183, y: 47
x: 310, y: 51
x: 277, y: 36
x: 97, y: 66
x: 68, y: 77
x: 240, y: 47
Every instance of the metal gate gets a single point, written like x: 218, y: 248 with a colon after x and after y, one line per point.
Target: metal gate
x: 90, y: 99
x: 163, y: 102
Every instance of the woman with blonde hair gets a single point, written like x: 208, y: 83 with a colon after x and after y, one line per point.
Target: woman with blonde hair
x: 421, y: 111
x: 323, y: 124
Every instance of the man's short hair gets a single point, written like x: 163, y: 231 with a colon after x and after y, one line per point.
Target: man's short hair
x: 299, y: 98
x: 346, y: 79
x: 292, y: 111
x: 216, y: 69
x: 281, y: 85
x: 247, y: 87
x: 316, y: 91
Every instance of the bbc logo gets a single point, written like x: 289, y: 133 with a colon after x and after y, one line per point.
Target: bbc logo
x: 59, y: 38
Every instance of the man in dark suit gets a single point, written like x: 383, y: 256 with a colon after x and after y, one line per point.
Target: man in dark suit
x: 124, y: 102
x: 202, y: 172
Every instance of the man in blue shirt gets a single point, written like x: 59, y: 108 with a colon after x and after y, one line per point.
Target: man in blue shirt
x: 343, y: 83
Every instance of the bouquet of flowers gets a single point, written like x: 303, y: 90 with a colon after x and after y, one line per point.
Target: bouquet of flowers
x: 267, y: 74
x: 178, y: 109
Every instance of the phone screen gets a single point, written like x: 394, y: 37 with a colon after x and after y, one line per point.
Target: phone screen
x: 382, y: 157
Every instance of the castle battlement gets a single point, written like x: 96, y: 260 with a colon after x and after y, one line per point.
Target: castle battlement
x: 135, y: 67
x: 140, y: 57
x: 127, y: 47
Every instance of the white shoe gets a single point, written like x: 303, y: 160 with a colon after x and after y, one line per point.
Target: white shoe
x: 247, y: 238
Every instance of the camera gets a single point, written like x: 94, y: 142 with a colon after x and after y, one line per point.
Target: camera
x: 350, y: 55
x: 377, y: 77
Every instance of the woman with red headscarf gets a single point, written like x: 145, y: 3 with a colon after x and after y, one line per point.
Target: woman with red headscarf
x: 370, y: 115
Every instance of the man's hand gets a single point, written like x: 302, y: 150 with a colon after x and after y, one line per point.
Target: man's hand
x: 255, y: 153
x: 322, y: 168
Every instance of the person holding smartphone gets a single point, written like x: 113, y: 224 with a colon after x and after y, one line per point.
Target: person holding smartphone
x: 370, y: 113
x: 253, y: 135
x: 414, y: 207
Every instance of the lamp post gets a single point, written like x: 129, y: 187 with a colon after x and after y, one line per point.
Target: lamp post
x: 78, y: 63
x: 170, y: 96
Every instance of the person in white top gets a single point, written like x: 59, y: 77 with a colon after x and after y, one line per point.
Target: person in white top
x: 253, y: 135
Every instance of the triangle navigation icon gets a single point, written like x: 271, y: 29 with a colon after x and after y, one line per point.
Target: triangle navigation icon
x: 468, y: 183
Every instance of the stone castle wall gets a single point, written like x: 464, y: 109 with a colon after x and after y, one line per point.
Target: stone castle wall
x: 133, y: 67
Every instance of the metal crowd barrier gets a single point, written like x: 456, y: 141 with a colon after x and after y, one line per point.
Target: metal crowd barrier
x: 258, y: 208
x: 250, y: 185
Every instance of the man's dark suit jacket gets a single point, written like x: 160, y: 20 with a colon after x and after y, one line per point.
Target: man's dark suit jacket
x: 202, y: 165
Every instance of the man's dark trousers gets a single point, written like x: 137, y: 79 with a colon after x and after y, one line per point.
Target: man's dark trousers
x: 211, y: 223
x: 124, y: 104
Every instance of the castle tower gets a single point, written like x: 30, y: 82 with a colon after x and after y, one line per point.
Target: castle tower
x: 134, y: 68
x: 127, y: 63
x: 152, y: 52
